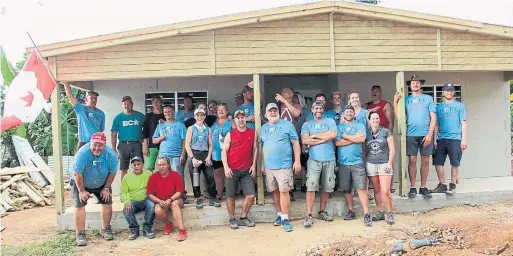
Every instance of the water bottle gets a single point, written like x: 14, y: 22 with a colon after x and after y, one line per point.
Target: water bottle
x: 196, y: 176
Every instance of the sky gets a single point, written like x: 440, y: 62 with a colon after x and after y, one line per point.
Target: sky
x: 50, y: 21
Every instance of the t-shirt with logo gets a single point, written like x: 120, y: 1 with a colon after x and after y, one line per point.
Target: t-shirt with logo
x: 449, y: 118
x: 361, y: 117
x: 199, y: 139
x: 175, y: 133
x: 333, y: 114
x: 129, y: 127
x: 94, y: 170
x: 377, y: 148
x: 325, y: 151
x: 352, y: 153
x: 89, y: 121
x: 181, y: 116
x: 276, y: 144
x: 286, y: 115
x: 218, y: 134
x: 249, y: 110
x: 418, y: 109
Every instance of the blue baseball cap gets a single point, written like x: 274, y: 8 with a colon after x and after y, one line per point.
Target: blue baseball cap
x: 346, y: 107
x: 448, y: 87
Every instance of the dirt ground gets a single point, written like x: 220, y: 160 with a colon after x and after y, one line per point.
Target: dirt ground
x: 464, y: 230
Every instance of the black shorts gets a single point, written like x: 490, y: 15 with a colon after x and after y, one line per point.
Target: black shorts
x: 415, y: 144
x: 128, y: 150
x: 246, y: 182
x: 95, y: 191
x: 448, y: 147
x: 217, y: 164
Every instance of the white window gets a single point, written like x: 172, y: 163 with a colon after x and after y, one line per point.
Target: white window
x: 175, y: 98
x: 435, y: 91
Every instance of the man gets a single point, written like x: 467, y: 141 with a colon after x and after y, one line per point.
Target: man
x: 151, y: 120
x: 319, y: 97
x: 247, y: 106
x: 134, y: 195
x: 335, y: 112
x: 89, y: 118
x: 350, y: 138
x: 188, y: 110
x: 451, y: 138
x: 127, y: 126
x: 382, y: 107
x: 420, y: 125
x: 279, y: 140
x: 239, y: 99
x: 93, y: 171
x: 239, y: 157
x: 319, y: 134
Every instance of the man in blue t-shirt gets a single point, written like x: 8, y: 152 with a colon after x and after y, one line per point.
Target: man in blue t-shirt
x: 350, y: 138
x: 280, y: 146
x: 92, y: 173
x: 187, y: 112
x: 248, y: 107
x: 89, y: 118
x: 319, y: 134
x: 336, y: 112
x: 420, y: 126
x: 450, y: 138
x: 128, y: 128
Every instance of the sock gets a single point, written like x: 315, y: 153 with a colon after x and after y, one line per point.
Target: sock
x: 310, y: 214
x: 243, y: 218
x: 279, y: 214
x: 284, y: 216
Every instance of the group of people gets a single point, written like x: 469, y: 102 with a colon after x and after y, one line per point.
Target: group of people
x: 344, y: 148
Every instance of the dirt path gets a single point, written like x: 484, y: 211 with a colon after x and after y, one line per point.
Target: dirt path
x: 465, y: 230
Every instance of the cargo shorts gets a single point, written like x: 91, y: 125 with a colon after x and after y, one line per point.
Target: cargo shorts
x: 282, y: 179
x: 320, y: 172
x: 354, y: 175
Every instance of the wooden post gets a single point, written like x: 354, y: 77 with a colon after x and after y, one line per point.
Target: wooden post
x: 401, y: 128
x: 56, y: 142
x: 258, y: 125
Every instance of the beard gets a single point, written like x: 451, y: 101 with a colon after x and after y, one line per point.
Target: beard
x: 273, y: 119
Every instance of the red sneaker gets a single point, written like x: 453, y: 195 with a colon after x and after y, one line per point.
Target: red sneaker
x: 182, y: 234
x: 168, y: 229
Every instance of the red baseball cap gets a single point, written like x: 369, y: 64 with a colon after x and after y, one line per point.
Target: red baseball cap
x: 99, y: 137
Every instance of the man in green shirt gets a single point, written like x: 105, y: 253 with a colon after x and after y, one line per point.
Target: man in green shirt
x: 134, y: 196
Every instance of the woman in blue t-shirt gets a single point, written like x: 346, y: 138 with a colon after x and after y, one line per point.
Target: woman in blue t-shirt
x: 220, y: 128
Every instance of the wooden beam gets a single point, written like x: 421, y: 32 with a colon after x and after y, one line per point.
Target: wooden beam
x: 258, y: 125
x: 401, y: 121
x: 332, y: 43
x: 439, y: 48
x: 213, y: 51
x: 82, y: 85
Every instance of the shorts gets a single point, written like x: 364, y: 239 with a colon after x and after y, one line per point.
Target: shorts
x: 414, y: 144
x: 378, y: 170
x: 355, y: 173
x: 282, y: 179
x: 448, y: 147
x: 246, y: 181
x: 95, y: 191
x: 217, y: 164
x: 320, y: 172
x: 152, y: 158
x: 128, y: 150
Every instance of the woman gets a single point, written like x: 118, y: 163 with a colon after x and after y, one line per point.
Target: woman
x: 360, y: 114
x: 198, y: 145
x: 219, y: 130
x: 380, y: 155
x: 165, y: 189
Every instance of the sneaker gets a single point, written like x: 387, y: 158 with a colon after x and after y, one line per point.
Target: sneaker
x: 233, y: 224
x: 211, y: 202
x: 133, y: 235
x: 452, y: 189
x: 390, y: 218
x: 379, y: 216
x: 168, y: 229
x: 286, y: 225
x: 292, y: 197
x: 217, y: 203
x: 425, y: 192
x: 441, y: 188
x: 412, y: 193
x: 182, y: 235
x: 323, y: 215
x: 107, y: 233
x: 81, y: 239
x: 350, y: 215
x: 247, y: 222
x: 150, y: 233
x: 367, y: 220
x: 199, y: 203
x: 277, y: 222
x: 308, y: 221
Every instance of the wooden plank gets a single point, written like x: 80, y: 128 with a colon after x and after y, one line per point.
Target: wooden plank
x: 479, y: 67
x: 477, y: 48
x: 385, y: 62
x: 258, y: 125
x: 18, y: 170
x: 385, y: 30
x: 14, y: 179
x: 281, y: 50
x: 387, y: 68
x: 463, y: 61
x: 31, y: 194
x: 385, y: 42
x: 155, y: 47
x: 439, y: 48
x: 57, y: 142
x: 280, y: 70
x: 346, y: 36
x: 368, y: 23
x: 458, y: 35
x: 274, y: 63
x: 332, y: 43
x: 273, y: 37
x: 487, y: 42
x: 213, y: 51
x: 289, y: 24
x: 401, y: 127
x: 190, y: 38
x: 46, y: 200
x: 136, y: 54
x: 365, y: 48
x: 383, y: 55
x: 266, y: 44
x: 135, y: 75
x: 271, y: 30
x: 134, y: 68
x: 132, y: 61
x: 45, y: 170
x: 477, y: 54
x: 273, y: 56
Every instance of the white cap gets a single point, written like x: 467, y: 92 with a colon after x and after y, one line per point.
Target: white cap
x: 199, y: 110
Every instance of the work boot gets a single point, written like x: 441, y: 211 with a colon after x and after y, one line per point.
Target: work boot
x: 452, y: 189
x: 107, y: 233
x: 81, y: 239
x: 441, y: 188
x: 425, y: 192
x: 379, y: 216
x: 412, y: 193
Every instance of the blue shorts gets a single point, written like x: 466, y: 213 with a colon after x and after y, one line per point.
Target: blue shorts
x: 448, y: 147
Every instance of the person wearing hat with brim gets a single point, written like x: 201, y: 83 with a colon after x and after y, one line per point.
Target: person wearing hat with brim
x: 450, y: 138
x: 420, y: 126
x: 382, y: 107
x: 127, y: 126
x: 92, y: 173
x: 90, y: 119
x: 135, y: 197
x: 248, y: 106
x: 151, y: 121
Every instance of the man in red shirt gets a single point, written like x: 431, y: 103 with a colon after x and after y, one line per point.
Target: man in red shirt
x: 239, y: 157
x: 382, y: 107
x: 165, y: 189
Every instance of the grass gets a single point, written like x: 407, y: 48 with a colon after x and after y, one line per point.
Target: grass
x: 60, y: 245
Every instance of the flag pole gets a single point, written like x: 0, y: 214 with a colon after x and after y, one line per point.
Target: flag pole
x: 41, y: 57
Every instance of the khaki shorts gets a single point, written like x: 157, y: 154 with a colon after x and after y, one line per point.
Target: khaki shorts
x: 378, y: 170
x: 282, y: 179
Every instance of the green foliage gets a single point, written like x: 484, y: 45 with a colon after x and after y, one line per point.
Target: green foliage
x: 60, y: 245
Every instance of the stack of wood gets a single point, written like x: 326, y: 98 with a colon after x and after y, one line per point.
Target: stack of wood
x: 19, y: 191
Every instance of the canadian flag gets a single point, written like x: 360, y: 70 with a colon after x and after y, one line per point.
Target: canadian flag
x: 28, y: 93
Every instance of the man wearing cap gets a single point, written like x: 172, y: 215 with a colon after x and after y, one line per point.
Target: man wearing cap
x: 151, y: 120
x: 382, y: 107
x: 187, y: 112
x: 239, y: 99
x: 134, y: 196
x: 335, y: 112
x: 350, y: 138
x: 239, y: 155
x: 319, y: 97
x: 247, y: 106
x: 89, y: 118
x: 420, y: 126
x: 450, y: 138
x: 127, y: 127
x: 92, y: 173
x: 281, y: 159
x: 319, y: 134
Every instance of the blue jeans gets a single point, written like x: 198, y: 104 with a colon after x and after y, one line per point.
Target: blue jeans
x: 138, y: 206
